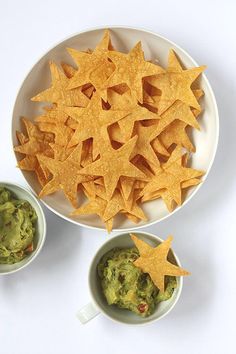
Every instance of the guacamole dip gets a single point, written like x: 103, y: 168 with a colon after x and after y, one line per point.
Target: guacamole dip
x: 127, y: 286
x: 17, y: 220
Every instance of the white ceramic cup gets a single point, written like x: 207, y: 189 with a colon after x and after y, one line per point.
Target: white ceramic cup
x: 40, y: 228
x: 98, y: 302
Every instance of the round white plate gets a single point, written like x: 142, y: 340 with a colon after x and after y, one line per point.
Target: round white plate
x: 123, y: 39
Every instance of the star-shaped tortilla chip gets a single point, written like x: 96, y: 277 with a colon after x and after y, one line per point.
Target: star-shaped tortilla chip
x: 62, y: 133
x: 170, y: 176
x: 175, y: 133
x: 37, y: 142
x: 94, y: 206
x: 66, y: 175
x: 174, y: 64
x: 91, y: 122
x: 179, y: 108
x: 58, y: 92
x: 131, y: 68
x: 154, y: 261
x: 93, y: 67
x: 176, y: 85
x: 181, y: 111
x: 165, y: 195
x: 117, y: 204
x: 68, y: 69
x: 54, y: 114
x: 137, y: 112
x: 143, y: 146
x: 30, y: 162
x: 113, y: 164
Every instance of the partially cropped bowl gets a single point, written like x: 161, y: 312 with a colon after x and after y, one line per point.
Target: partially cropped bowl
x: 40, y: 228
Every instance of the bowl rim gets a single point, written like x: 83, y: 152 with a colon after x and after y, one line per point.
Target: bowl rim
x: 197, y: 188
x: 42, y: 215
x: 93, y: 299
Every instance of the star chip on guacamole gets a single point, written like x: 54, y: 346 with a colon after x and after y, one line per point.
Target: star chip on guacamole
x: 130, y: 117
x: 154, y: 261
x: 17, y: 228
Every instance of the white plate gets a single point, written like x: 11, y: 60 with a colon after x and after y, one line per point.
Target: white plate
x: 123, y: 39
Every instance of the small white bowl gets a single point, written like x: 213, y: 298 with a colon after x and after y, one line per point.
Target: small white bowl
x: 123, y: 38
x: 40, y: 234
x: 99, y: 304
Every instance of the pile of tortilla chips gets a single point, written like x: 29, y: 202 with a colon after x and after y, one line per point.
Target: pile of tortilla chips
x: 116, y: 130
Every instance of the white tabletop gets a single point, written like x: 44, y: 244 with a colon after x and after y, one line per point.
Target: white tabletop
x: 38, y: 304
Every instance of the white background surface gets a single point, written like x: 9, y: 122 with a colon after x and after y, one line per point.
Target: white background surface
x: 38, y: 304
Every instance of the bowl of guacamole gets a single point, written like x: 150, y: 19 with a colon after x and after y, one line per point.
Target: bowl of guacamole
x: 121, y: 291
x: 127, y: 287
x: 22, y: 227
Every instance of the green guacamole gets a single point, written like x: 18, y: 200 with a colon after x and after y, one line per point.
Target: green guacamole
x: 17, y: 227
x: 127, y: 286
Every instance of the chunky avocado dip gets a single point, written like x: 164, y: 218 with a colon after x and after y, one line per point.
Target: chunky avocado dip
x: 17, y: 227
x: 126, y: 286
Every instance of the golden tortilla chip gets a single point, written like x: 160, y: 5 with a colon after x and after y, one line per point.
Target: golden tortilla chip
x: 66, y: 175
x: 176, y: 86
x: 131, y: 69
x: 91, y: 120
x: 136, y: 112
x: 37, y: 142
x: 143, y: 145
x: 170, y: 176
x: 113, y: 164
x: 93, y: 67
x: 58, y: 92
x: 176, y: 133
x: 62, y: 132
x: 95, y: 206
x: 154, y: 261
